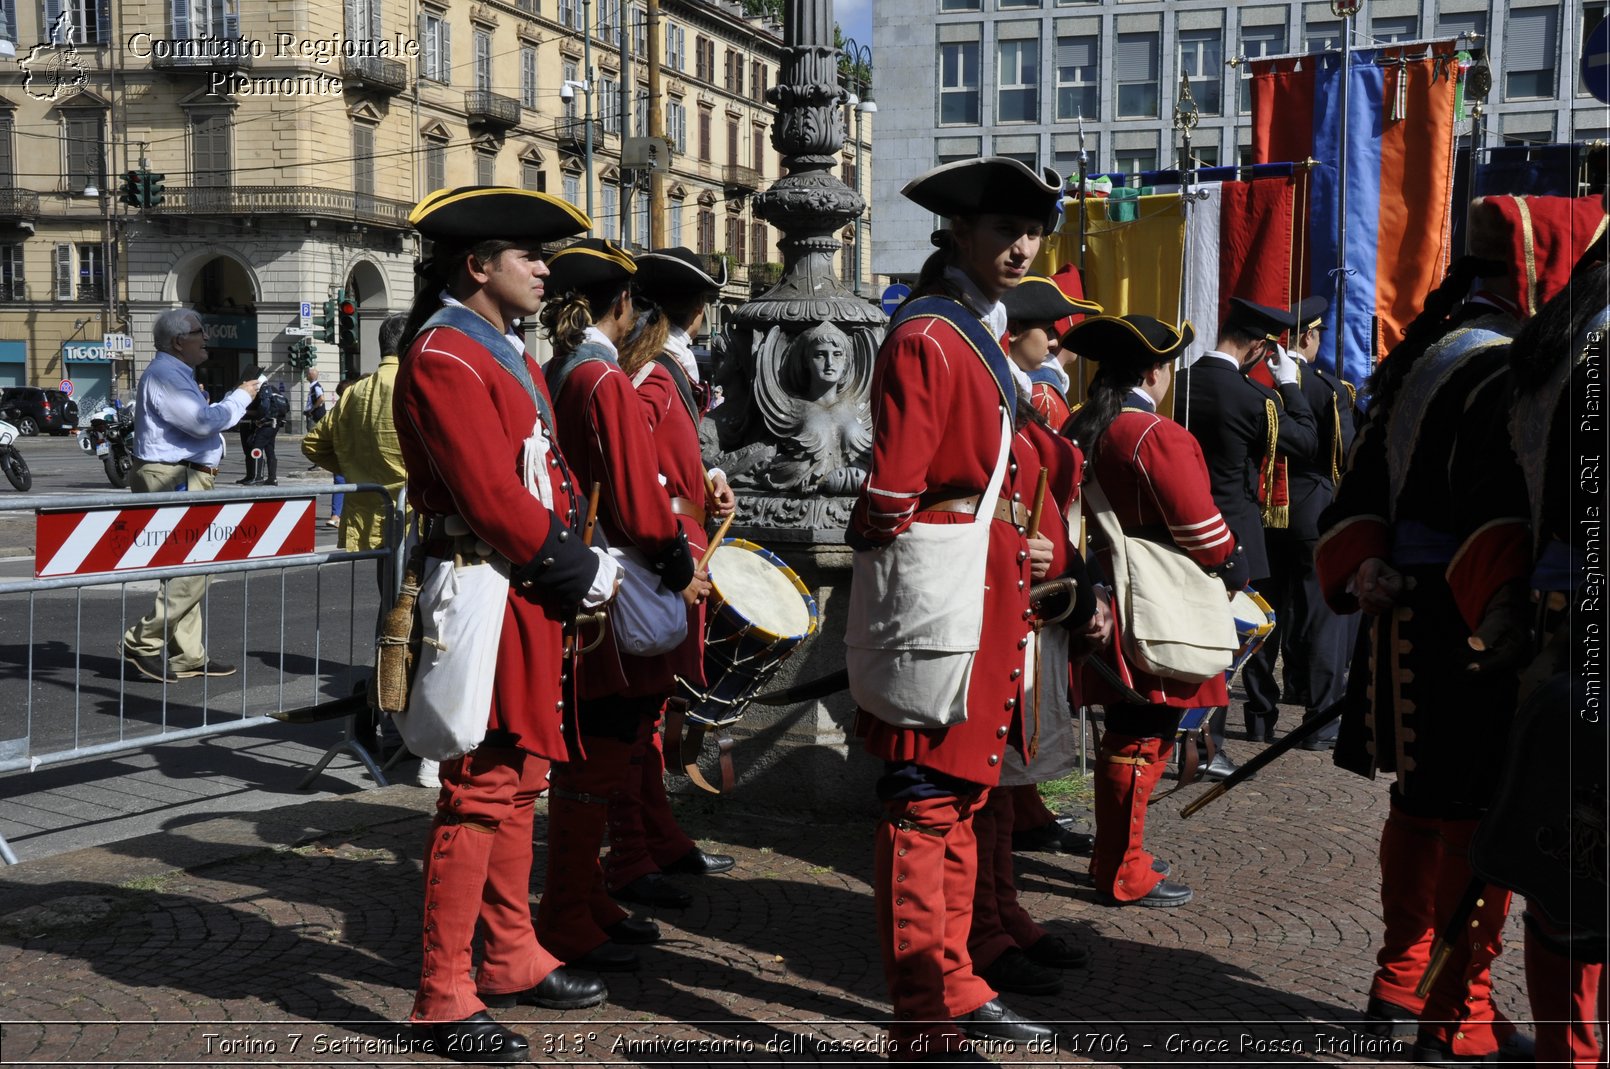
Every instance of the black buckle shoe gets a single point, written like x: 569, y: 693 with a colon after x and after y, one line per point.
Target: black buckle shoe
x: 607, y: 957
x: 559, y: 990
x: 633, y: 932
x: 1055, y: 952
x: 477, y: 1038
x: 1388, y: 1020
x: 652, y: 889
x: 698, y: 863
x: 1014, y: 971
x: 1220, y: 767
x: 1164, y: 896
x: 993, y: 1020
x: 1053, y: 838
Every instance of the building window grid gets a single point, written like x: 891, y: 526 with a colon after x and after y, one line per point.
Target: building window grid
x: 483, y: 60
x: 609, y: 105
x: 571, y: 184
x: 674, y: 225
x: 12, y: 286
x: 959, y: 97
x: 1592, y: 15
x: 435, y: 164
x: 436, y: 47
x: 1078, y: 63
x: 64, y: 272
x: 86, y: 151
x: 676, y: 47
x: 363, y: 163
x: 572, y: 110
x: 1256, y: 42
x: 1136, y: 66
x: 85, y: 22
x: 1394, y: 28
x: 486, y: 166
x: 91, y: 272
x: 1202, y: 63
x: 528, y: 78
x: 734, y: 144
x: 610, y: 211
x: 1018, y: 73
x: 676, y: 126
x: 1531, y: 52
x: 707, y: 231
x: 706, y: 123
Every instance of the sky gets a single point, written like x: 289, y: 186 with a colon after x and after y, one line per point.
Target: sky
x: 855, y: 18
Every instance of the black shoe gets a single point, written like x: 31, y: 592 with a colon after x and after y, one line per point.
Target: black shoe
x: 633, y: 932
x: 211, y: 668
x: 1055, y: 952
x: 477, y: 1039
x: 1318, y: 742
x: 1053, y: 838
x: 698, y: 863
x: 269, y: 482
x: 245, y: 482
x: 559, y: 990
x: 1013, y: 971
x: 151, y: 667
x: 1430, y: 1051
x: 652, y: 889
x: 1388, y: 1020
x: 1220, y: 767
x: 1164, y: 896
x: 608, y: 957
x: 993, y: 1020
x: 1161, y: 867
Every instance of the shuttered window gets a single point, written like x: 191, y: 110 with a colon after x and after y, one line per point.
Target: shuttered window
x: 209, y: 143
x: 483, y: 60
x: 64, y: 272
x: 1135, y: 64
x: 528, y: 77
x: 8, y: 164
x: 363, y: 163
x: 1403, y: 28
x: 11, y: 281
x: 1530, y: 51
x: 436, y: 40
x: 1458, y: 22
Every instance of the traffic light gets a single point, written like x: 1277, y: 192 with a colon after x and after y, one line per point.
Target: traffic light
x: 348, y: 330
x: 132, y: 189
x: 152, y: 189
x: 301, y: 355
x: 327, y: 323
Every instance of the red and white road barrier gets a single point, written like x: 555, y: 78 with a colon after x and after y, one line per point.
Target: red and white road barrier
x: 84, y: 542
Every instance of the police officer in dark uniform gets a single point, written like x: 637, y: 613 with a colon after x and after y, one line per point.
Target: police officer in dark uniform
x: 1239, y: 422
x: 1312, y: 640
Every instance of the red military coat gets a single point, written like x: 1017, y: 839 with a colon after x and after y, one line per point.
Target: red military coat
x: 676, y: 444
x: 936, y: 412
x: 1152, y: 472
x: 606, y: 439
x: 1050, y: 403
x: 462, y: 421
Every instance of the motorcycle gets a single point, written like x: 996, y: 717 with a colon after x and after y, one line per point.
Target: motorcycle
x: 11, y: 461
x: 111, y: 438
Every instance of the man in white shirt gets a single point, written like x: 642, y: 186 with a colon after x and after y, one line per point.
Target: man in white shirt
x: 180, y: 443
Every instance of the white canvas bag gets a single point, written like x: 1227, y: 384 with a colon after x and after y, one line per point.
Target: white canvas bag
x: 916, y: 614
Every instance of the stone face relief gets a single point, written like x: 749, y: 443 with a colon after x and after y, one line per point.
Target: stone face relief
x: 811, y: 394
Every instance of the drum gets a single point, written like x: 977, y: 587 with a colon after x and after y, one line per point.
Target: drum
x: 759, y: 612
x: 1254, y: 619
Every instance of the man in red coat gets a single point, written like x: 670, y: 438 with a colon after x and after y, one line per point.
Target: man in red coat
x: 943, y: 399
x: 476, y: 428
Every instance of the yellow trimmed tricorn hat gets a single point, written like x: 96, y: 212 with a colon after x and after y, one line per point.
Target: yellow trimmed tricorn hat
x: 991, y: 184
x: 1132, y: 339
x: 589, y: 264
x: 1038, y: 299
x: 666, y: 274
x: 469, y: 214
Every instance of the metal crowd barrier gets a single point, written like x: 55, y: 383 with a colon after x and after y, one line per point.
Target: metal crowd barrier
x: 108, y: 723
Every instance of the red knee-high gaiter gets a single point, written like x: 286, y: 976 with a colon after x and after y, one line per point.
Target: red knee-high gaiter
x: 456, y: 862
x: 1459, y: 1008
x: 667, y: 842
x: 917, y: 872
x: 987, y: 939
x: 578, y: 813
x: 1014, y: 918
x: 1029, y: 810
x: 1411, y: 858
x: 1566, y: 998
x: 628, y: 856
x: 511, y: 957
x: 1128, y: 769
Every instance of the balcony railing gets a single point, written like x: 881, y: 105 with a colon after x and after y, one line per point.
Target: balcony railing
x: 389, y: 76
x: 314, y: 202
x: 491, y: 109
x: 205, y: 54
x: 572, y: 133
x: 736, y: 176
x: 19, y: 204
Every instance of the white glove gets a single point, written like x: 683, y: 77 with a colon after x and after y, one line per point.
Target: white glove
x: 1282, y: 366
x: 605, y: 581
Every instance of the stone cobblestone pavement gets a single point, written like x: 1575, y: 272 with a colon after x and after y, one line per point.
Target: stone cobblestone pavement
x: 292, y: 938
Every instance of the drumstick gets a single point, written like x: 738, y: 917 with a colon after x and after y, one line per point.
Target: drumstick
x: 715, y: 540
x: 1038, y: 512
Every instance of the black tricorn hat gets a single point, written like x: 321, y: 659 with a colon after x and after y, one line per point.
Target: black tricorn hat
x: 469, y: 214
x: 1259, y: 319
x: 1132, y: 339
x: 991, y: 184
x: 1038, y: 299
x: 1309, y: 313
x: 589, y: 264
x: 670, y: 273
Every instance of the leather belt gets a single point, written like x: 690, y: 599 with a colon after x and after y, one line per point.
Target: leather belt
x: 681, y: 506
x: 192, y: 465
x: 1013, y: 512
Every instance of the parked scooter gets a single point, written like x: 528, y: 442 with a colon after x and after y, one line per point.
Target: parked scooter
x: 11, y: 461
x: 111, y: 438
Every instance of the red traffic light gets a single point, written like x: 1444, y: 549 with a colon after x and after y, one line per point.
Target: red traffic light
x: 348, y: 308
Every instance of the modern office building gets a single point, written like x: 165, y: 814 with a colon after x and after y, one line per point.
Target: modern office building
x: 963, y: 78
x: 293, y: 138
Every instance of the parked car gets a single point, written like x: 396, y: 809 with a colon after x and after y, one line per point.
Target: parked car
x: 33, y: 410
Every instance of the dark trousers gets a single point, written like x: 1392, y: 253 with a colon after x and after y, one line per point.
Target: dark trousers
x: 1312, y: 641
x: 263, y: 439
